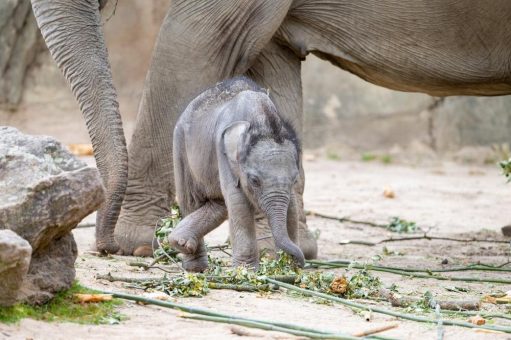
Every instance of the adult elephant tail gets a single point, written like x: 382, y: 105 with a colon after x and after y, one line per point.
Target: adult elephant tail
x: 72, y: 32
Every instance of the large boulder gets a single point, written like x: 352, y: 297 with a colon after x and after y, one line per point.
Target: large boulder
x: 46, y: 191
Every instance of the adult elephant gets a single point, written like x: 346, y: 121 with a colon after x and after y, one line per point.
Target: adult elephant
x: 440, y: 47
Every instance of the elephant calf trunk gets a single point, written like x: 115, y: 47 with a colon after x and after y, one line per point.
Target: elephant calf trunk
x: 277, y: 219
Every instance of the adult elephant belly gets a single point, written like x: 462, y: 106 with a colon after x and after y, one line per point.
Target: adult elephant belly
x: 440, y: 47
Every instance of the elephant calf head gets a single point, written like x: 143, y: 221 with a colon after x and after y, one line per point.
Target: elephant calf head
x: 263, y: 154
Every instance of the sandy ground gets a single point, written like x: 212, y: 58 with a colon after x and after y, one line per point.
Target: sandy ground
x: 445, y: 199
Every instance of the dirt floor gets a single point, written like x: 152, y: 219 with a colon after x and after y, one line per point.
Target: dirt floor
x: 444, y: 199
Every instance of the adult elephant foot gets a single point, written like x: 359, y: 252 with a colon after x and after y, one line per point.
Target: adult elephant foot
x: 134, y: 232
x: 306, y: 240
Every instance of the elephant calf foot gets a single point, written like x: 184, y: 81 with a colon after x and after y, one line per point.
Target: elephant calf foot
x: 196, y: 263
x: 252, y: 263
x: 183, y: 241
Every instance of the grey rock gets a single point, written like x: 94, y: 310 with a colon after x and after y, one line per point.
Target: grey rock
x: 46, y: 191
x: 15, y: 255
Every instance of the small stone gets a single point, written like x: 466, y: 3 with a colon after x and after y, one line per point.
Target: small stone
x: 506, y: 230
x: 477, y: 320
x: 389, y: 193
x: 445, y: 261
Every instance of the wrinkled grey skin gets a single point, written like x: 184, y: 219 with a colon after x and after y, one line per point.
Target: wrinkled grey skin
x: 233, y: 155
x: 440, y: 47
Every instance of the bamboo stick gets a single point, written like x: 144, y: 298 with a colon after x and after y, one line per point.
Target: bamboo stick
x: 473, y: 267
x: 269, y: 327
x: 414, y: 274
x: 385, y: 311
x: 206, y: 312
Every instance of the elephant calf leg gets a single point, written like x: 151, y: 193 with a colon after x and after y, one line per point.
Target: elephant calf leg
x: 188, y: 234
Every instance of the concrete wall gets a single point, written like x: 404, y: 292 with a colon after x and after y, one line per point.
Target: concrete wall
x: 341, y: 110
x: 344, y: 110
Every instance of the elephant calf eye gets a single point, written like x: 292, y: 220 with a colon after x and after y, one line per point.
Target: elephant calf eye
x: 254, y: 181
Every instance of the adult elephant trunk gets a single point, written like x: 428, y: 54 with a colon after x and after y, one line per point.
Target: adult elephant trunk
x: 275, y: 207
x: 72, y: 32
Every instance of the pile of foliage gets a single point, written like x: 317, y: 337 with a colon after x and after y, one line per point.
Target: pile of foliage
x: 361, y: 284
x: 220, y: 275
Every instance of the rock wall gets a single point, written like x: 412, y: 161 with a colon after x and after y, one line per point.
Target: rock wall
x: 341, y: 110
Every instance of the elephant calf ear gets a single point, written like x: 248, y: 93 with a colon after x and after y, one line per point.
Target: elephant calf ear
x: 231, y: 137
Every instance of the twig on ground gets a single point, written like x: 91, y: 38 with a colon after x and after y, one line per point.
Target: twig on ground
x: 139, y: 264
x: 241, y: 332
x: 282, y: 278
x: 486, y: 315
x: 344, y: 219
x: 111, y: 278
x: 413, y: 274
x: 422, y: 237
x: 386, y: 311
x: 211, y: 285
x: 397, y: 300
x: 393, y: 239
x: 240, y: 288
x: 85, y: 225
x: 152, y: 266
x: 376, y: 330
x: 219, y: 247
x: 155, y: 260
x: 471, y: 267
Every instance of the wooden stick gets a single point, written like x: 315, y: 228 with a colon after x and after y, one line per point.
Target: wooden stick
x: 111, y: 278
x: 343, y: 219
x: 423, y: 237
x: 240, y: 288
x: 394, y: 239
x: 397, y: 300
x: 376, y: 330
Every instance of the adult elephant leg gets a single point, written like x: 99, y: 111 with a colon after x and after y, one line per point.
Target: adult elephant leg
x: 200, y: 43
x: 279, y: 69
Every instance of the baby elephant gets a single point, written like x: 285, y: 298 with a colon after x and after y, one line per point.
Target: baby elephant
x: 234, y: 156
